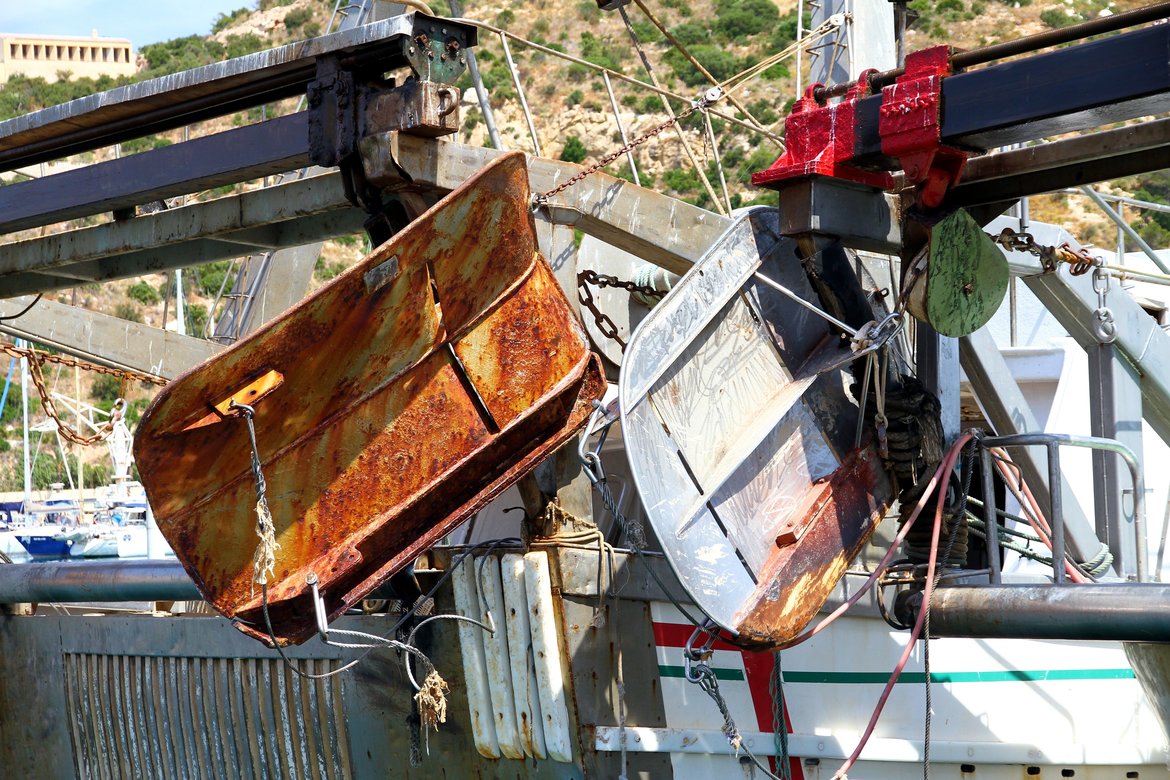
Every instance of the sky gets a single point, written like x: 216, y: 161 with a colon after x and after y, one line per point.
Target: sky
x: 142, y: 21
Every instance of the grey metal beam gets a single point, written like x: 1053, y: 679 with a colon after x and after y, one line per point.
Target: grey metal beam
x: 1071, y: 162
x: 234, y: 155
x: 1095, y: 612
x: 213, y: 90
x: 657, y: 228
x: 292, y: 214
x: 1072, y: 301
x: 133, y: 580
x: 1009, y: 413
x: 1115, y: 412
x: 858, y: 216
x: 104, y: 339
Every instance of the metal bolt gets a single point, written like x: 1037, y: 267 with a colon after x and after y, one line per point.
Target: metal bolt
x: 411, y: 50
x: 968, y: 288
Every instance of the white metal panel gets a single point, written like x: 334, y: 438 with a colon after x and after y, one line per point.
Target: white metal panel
x: 499, y: 670
x: 520, y: 649
x: 546, y: 642
x: 479, y: 701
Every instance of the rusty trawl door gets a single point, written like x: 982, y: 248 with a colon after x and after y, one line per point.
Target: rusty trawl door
x: 389, y: 407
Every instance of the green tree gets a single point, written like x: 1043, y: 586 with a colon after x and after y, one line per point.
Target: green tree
x: 574, y: 151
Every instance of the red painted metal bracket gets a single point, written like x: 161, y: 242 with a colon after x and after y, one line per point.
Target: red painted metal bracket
x: 910, y: 125
x: 821, y: 137
x: 820, y: 141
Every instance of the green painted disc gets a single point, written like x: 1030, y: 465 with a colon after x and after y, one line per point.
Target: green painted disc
x: 966, y: 279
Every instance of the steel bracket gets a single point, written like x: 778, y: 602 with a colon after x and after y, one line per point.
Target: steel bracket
x: 821, y: 141
x: 426, y: 108
x: 910, y: 125
x: 332, y: 113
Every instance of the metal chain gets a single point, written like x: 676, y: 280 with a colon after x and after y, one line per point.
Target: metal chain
x: 606, y: 325
x: 1104, y: 328
x: 72, y: 362
x: 67, y: 432
x: 1079, y: 260
x: 709, y: 97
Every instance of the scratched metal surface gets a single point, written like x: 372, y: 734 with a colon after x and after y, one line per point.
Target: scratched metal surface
x: 736, y: 430
x: 417, y: 386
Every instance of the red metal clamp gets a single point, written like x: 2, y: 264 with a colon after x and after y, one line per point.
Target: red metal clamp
x: 910, y: 125
x: 820, y: 140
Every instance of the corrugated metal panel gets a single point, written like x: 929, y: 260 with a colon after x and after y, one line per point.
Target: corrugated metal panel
x: 134, y: 716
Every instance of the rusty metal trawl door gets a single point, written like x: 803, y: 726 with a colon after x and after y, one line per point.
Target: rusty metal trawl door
x: 739, y: 436
x: 389, y: 406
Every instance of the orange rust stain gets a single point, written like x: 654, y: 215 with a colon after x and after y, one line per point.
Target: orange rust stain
x: 373, y: 448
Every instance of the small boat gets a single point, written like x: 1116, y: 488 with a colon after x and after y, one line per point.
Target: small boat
x: 46, y: 544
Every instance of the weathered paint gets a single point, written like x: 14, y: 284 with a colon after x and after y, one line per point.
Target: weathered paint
x: 524, y: 682
x: 405, y: 407
x: 740, y: 438
x: 496, y: 657
x: 547, y: 644
x: 837, y: 518
x: 471, y: 639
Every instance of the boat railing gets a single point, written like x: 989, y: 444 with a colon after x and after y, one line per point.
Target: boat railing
x: 1052, y: 442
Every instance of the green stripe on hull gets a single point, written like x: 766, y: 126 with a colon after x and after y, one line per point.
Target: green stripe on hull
x: 720, y: 674
x: 878, y: 678
x: 1041, y: 675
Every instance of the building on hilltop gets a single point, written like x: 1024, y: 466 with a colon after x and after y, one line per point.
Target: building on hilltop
x: 48, y: 55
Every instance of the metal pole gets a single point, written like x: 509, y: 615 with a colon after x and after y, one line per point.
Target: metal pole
x: 1124, y: 227
x: 24, y: 414
x: 69, y: 581
x: 1057, y: 518
x: 485, y: 106
x: 1090, y: 611
x: 520, y: 93
x: 621, y: 128
x: 989, y: 517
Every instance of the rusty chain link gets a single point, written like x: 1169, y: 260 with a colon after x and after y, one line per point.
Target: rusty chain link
x: 1079, y: 260
x: 709, y: 97
x: 605, y: 325
x: 37, y: 359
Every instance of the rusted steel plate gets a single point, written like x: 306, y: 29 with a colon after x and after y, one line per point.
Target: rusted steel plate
x: 739, y: 435
x: 413, y: 389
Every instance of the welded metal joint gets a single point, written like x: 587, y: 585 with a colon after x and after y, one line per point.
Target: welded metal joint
x: 332, y: 113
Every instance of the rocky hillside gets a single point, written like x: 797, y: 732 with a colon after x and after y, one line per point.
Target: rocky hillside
x: 571, y: 108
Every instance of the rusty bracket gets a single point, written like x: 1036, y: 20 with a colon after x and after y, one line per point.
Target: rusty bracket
x: 426, y: 108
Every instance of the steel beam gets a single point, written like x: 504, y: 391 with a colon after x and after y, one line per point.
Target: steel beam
x: 1115, y: 412
x: 858, y: 216
x: 657, y: 228
x: 1071, y: 162
x: 245, y: 153
x: 193, y: 95
x: 299, y: 212
x: 103, y: 339
x: 1120, y: 612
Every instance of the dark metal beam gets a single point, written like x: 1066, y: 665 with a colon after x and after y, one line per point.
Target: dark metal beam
x: 213, y: 90
x: 1089, y: 85
x: 1124, y: 612
x: 1110, y: 154
x: 250, y: 152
